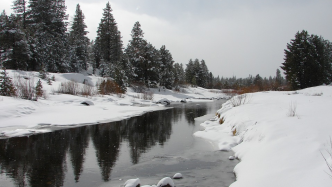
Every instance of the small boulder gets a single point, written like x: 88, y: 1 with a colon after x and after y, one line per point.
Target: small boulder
x: 166, y: 182
x: 231, y: 157
x: 87, y: 103
x: 132, y: 183
x: 177, y: 176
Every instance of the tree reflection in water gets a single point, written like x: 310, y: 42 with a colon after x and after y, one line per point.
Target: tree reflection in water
x: 40, y: 160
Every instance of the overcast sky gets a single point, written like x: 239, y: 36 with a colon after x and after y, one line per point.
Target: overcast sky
x: 234, y: 37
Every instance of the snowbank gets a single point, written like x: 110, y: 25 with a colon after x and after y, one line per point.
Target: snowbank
x: 23, y: 117
x: 275, y: 147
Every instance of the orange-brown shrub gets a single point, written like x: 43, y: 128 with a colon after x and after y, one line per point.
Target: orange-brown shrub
x: 108, y: 87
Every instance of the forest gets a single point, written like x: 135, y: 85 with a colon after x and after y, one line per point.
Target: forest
x: 38, y: 37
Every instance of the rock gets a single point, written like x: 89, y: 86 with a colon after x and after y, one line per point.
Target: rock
x: 231, y: 157
x: 177, y: 176
x: 132, y: 183
x: 87, y: 103
x: 183, y: 101
x: 166, y: 182
x: 164, y: 101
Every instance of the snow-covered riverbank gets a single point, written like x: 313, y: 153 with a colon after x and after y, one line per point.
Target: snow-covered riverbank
x: 21, y: 117
x: 281, y: 137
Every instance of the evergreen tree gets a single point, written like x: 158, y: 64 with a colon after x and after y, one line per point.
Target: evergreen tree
x: 6, y: 85
x: 108, y: 42
x: 190, y: 72
x: 13, y: 48
x: 47, y: 21
x: 306, y: 61
x: 20, y: 8
x: 135, y: 53
x: 202, y: 75
x: 166, y: 76
x: 78, y: 42
x: 39, y: 89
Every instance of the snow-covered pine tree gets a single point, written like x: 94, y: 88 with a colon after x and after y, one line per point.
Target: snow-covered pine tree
x: 6, y: 85
x: 47, y: 21
x: 78, y: 42
x: 190, y: 72
x: 135, y: 53
x: 13, y: 44
x: 166, y: 75
x: 202, y: 75
x: 108, y: 42
x: 20, y: 8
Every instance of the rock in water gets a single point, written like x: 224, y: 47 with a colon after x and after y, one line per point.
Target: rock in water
x: 166, y: 182
x: 132, y: 183
x: 231, y: 158
x: 177, y: 176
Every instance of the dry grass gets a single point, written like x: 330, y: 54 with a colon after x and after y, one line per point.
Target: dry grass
x: 25, y: 87
x: 221, y: 120
x: 292, y: 109
x: 240, y: 99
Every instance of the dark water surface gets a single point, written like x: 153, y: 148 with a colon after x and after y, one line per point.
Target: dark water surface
x: 150, y: 147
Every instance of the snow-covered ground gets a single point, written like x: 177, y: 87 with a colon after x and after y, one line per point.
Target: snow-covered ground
x: 281, y: 138
x: 22, y: 117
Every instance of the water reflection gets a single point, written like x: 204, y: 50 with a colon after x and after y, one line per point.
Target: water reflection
x: 41, y: 160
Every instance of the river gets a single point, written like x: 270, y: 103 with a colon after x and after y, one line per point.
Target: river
x: 152, y: 146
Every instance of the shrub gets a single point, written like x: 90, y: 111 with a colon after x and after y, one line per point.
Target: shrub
x: 221, y: 121
x: 69, y: 87
x: 240, y: 99
x: 25, y: 87
x: 87, y: 90
x: 138, y: 87
x: 108, y: 87
x: 148, y: 96
x: 292, y: 109
x: 329, y: 164
x: 234, y: 132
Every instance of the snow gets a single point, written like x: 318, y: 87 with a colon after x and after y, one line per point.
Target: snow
x: 132, y: 183
x: 276, y: 148
x: 20, y: 117
x: 165, y: 181
x: 177, y: 176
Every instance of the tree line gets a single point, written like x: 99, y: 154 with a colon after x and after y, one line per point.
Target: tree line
x: 35, y: 38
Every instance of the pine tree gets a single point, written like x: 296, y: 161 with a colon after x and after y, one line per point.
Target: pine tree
x: 190, y: 72
x: 305, y: 63
x: 78, y: 42
x: 47, y: 22
x: 14, y: 48
x: 108, y: 42
x: 39, y: 89
x: 166, y: 76
x: 6, y: 85
x: 20, y: 8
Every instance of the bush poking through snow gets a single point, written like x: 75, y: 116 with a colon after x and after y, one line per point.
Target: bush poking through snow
x: 147, y: 95
x: 329, y: 164
x: 70, y: 87
x: 221, y: 120
x: 25, y: 87
x: 240, y: 100
x: 109, y: 87
x: 292, y: 109
x: 87, y: 90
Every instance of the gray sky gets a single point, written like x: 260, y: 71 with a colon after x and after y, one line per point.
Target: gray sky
x: 234, y: 37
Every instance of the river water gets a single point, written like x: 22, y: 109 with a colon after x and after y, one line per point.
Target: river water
x: 150, y: 147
